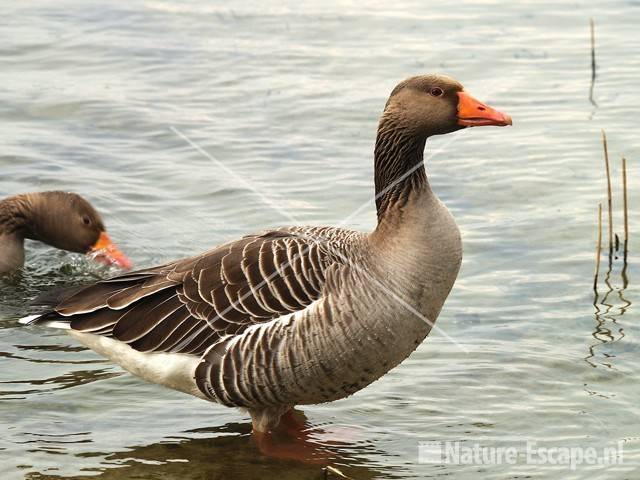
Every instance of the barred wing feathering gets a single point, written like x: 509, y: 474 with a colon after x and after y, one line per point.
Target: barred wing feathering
x: 188, y: 305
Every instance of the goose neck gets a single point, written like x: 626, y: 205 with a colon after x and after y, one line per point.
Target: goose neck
x: 398, y: 166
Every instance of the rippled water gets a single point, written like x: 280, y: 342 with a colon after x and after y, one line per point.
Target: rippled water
x: 285, y: 100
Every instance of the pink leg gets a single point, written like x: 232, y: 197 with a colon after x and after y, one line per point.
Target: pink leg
x: 282, y: 435
x: 294, y: 423
x: 301, y: 450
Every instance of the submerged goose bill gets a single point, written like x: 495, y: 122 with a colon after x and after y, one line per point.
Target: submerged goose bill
x: 63, y: 220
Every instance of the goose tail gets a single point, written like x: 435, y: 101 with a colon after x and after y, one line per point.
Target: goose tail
x: 29, y: 319
x: 42, y: 320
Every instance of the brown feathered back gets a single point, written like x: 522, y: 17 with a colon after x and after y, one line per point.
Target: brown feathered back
x: 188, y: 305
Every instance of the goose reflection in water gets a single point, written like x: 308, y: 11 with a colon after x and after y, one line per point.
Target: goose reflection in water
x: 229, y: 451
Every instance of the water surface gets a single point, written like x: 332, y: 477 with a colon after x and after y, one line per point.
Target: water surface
x: 284, y: 99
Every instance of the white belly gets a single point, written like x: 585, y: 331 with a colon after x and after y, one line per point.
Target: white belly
x: 172, y: 370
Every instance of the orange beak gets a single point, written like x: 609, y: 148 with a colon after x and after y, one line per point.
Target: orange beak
x: 472, y: 113
x: 105, y: 251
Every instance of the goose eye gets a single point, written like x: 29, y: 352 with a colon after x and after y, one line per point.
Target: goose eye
x: 86, y: 220
x: 436, y: 92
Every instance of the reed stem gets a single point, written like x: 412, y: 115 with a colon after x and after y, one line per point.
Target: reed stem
x: 598, y: 249
x: 609, y: 201
x: 625, y: 208
x: 593, y: 61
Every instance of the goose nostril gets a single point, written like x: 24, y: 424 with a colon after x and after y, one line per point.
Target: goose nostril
x: 482, y: 109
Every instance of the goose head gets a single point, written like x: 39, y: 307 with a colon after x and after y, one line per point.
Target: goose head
x: 67, y: 221
x: 437, y: 104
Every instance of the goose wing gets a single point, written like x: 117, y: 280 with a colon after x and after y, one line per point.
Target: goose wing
x: 188, y: 305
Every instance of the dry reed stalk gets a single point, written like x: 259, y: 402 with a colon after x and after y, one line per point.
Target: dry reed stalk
x: 593, y: 61
x: 609, y: 201
x: 598, y: 249
x: 625, y: 208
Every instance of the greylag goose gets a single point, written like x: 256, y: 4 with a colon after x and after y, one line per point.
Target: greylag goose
x: 61, y: 219
x: 296, y: 315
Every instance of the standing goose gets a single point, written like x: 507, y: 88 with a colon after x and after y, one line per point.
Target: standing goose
x: 296, y: 315
x: 61, y: 219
